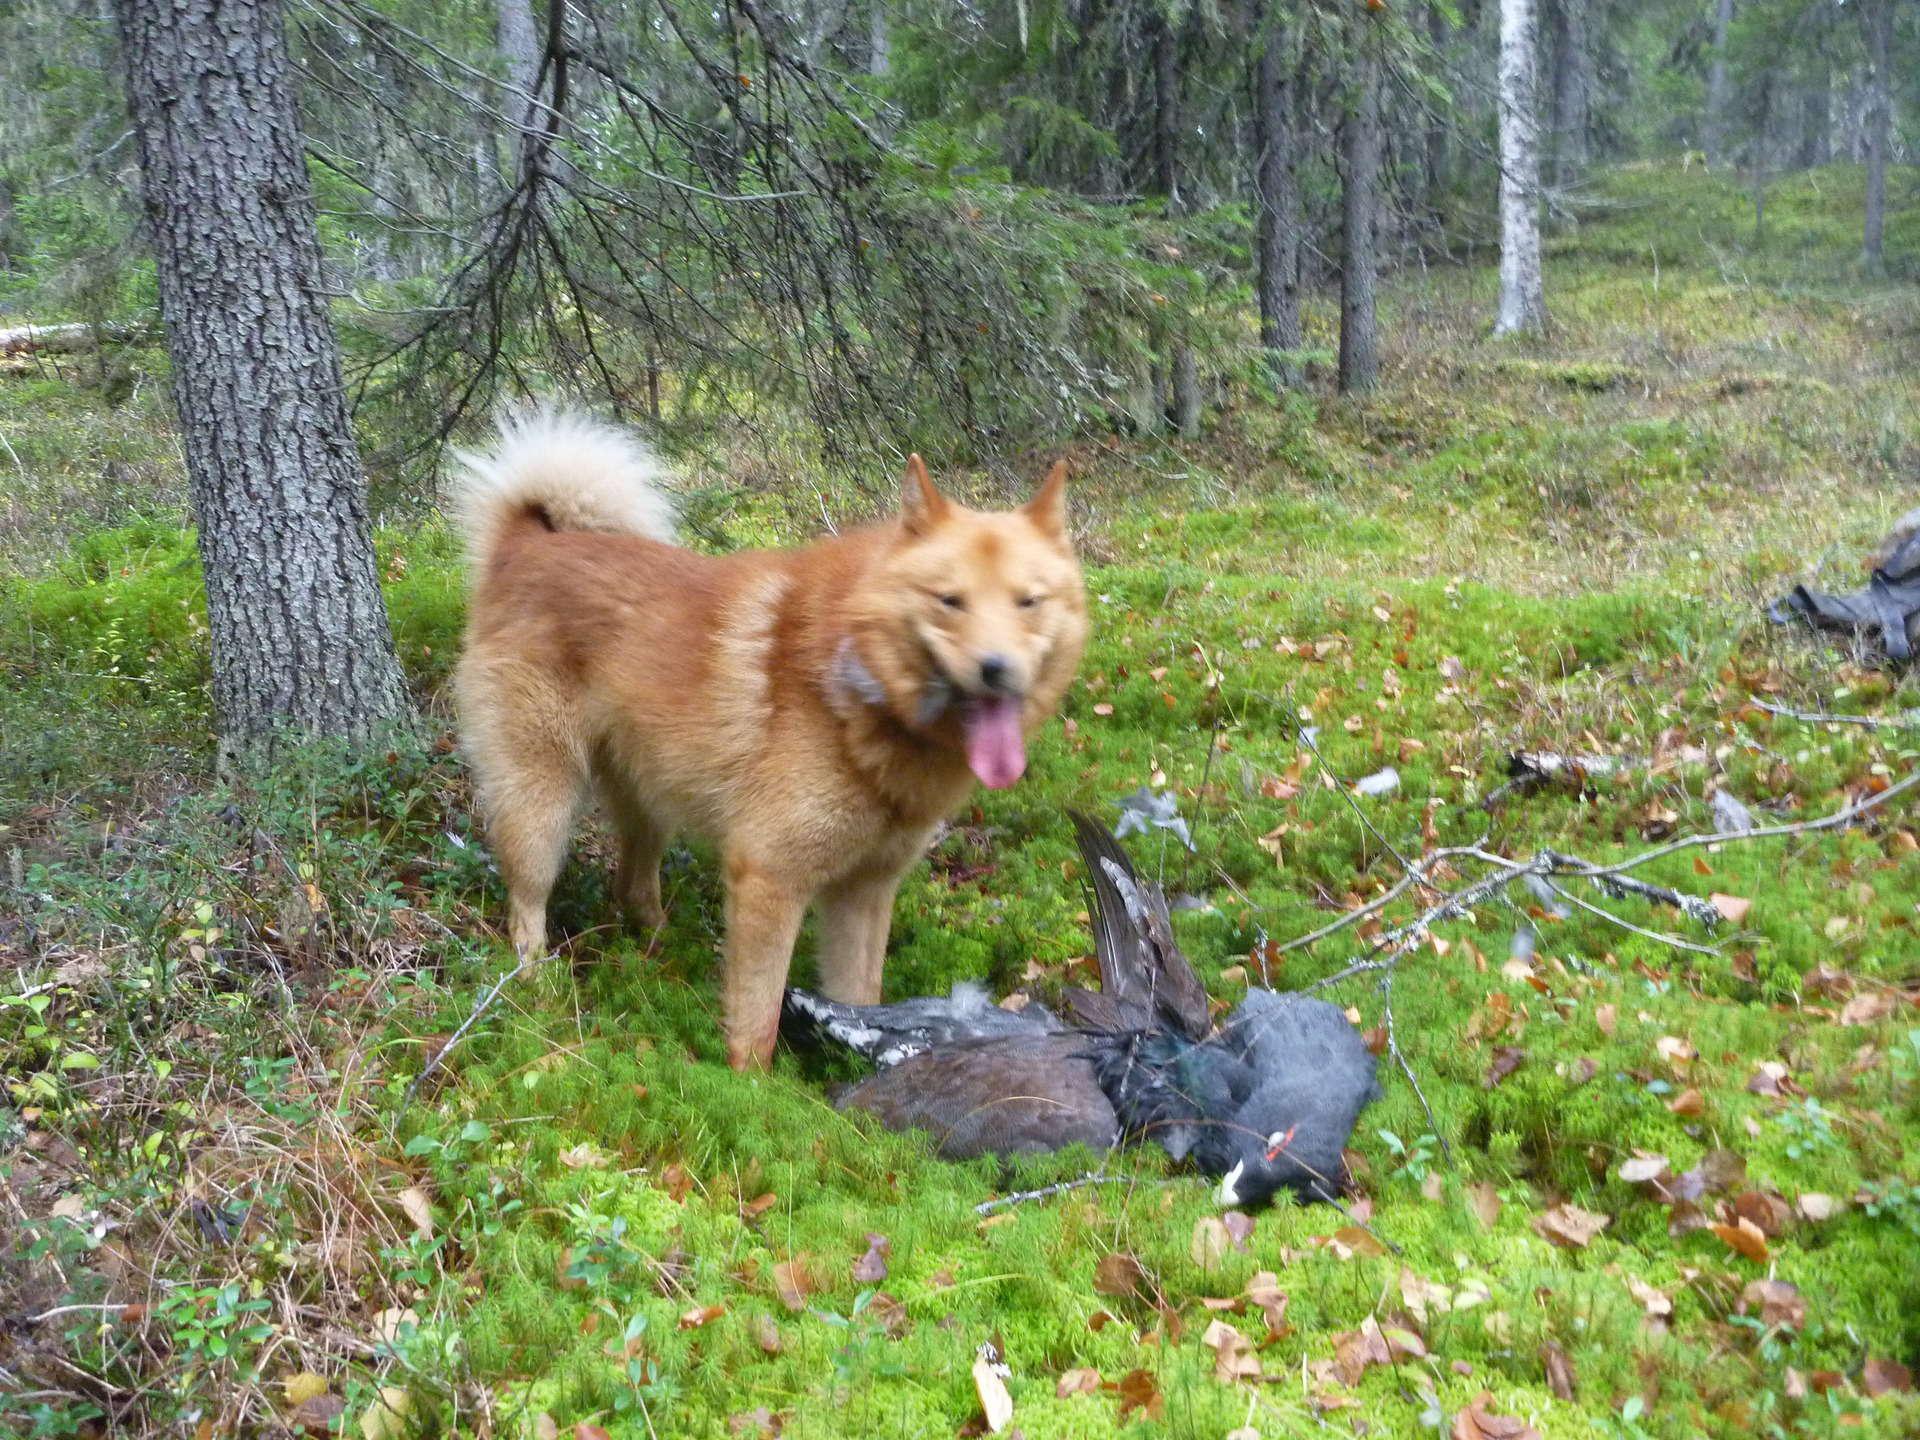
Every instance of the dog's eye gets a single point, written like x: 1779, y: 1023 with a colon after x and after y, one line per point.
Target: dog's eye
x: 1027, y: 602
x: 954, y: 602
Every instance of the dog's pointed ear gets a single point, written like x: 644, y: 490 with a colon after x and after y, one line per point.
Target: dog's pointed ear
x: 1048, y: 507
x: 921, y: 506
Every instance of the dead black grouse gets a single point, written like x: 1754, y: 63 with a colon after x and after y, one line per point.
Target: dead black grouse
x: 1265, y: 1101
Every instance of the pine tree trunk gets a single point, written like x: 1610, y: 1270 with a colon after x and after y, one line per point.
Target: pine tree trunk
x: 1716, y: 128
x: 1876, y: 24
x: 1522, y: 294
x: 1816, y: 119
x: 298, y: 624
x: 1360, y: 205
x: 1572, y: 89
x: 1183, y: 397
x: 1276, y: 187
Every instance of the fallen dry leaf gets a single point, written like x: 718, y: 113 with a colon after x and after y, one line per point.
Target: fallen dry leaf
x: 1076, y: 1382
x: 1264, y: 1291
x: 1475, y: 1423
x: 1746, y: 1238
x: 699, y: 1315
x: 1769, y: 1213
x: 792, y: 1283
x: 1777, y: 1303
x: 1569, y: 1225
x: 1210, y: 1243
x: 1642, y: 1168
x: 1484, y: 1200
x: 1677, y: 1052
x: 758, y: 1421
x: 1688, y: 1102
x: 766, y: 1334
x: 1656, y: 1302
x: 1239, y: 1227
x: 1233, y: 1357
x: 1139, y: 1391
x: 1506, y: 1060
x: 1559, y: 1367
x: 1867, y: 1008
x: 871, y: 1268
x: 1814, y: 1206
x: 1607, y: 1017
x: 1355, y: 1350
x: 1882, y: 1377
x: 753, y: 1209
x: 1122, y: 1276
x: 1733, y: 909
x: 419, y: 1210
x: 583, y: 1157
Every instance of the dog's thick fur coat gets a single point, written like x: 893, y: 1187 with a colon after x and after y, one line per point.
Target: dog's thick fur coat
x: 815, y: 712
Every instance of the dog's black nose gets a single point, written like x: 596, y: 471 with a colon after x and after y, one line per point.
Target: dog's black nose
x: 993, y: 672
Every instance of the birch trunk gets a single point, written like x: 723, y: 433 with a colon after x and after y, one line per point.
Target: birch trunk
x: 1522, y: 295
x: 1716, y: 130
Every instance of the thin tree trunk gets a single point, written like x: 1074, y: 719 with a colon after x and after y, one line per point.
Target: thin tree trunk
x: 299, y: 628
x: 879, y: 39
x: 1816, y: 118
x: 1360, y: 204
x: 518, y: 40
x: 1572, y: 90
x: 1434, y: 153
x: 1276, y: 187
x: 1183, y: 398
x: 1523, y: 304
x: 1716, y: 128
x: 1876, y: 23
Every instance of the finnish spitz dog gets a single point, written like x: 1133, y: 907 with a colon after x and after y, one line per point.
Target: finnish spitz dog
x: 814, y: 712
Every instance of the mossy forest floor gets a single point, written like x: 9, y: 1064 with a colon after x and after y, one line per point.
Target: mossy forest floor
x: 223, y: 1215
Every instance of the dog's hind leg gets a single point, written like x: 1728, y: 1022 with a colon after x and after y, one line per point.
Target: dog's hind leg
x: 642, y: 842
x: 855, y: 916
x: 531, y: 808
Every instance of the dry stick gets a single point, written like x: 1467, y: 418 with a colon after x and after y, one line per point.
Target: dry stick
x: 1097, y: 1177
x: 479, y: 1009
x: 1420, y: 874
x: 1906, y: 719
x: 1393, y: 1049
x: 1608, y: 915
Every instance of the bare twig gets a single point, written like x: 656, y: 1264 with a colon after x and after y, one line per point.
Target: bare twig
x: 1905, y: 719
x: 480, y: 1008
x: 1098, y: 1177
x: 1393, y: 1049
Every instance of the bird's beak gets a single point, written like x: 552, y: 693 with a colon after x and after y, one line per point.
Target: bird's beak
x: 1228, y: 1192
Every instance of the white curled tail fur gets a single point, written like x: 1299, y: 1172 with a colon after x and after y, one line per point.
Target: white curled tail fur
x: 569, y: 470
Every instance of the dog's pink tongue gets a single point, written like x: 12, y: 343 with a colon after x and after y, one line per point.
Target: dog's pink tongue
x: 996, y: 750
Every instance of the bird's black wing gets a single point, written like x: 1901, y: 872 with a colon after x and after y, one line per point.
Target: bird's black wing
x: 888, y: 1034
x: 1141, y: 968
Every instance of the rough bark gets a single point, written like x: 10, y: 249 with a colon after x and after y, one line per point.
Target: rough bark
x: 1360, y: 206
x: 299, y: 628
x: 1876, y: 26
x: 518, y: 40
x: 1522, y: 293
x: 1276, y: 187
x: 1715, y: 136
x: 1166, y: 110
x: 1572, y: 89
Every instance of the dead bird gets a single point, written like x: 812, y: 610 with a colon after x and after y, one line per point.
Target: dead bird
x: 1266, y: 1101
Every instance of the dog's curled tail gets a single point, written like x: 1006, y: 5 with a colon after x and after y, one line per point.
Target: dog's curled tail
x: 562, y: 471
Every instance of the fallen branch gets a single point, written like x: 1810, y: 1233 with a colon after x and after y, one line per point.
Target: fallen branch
x: 1904, y: 720
x: 1531, y: 769
x: 1018, y: 1197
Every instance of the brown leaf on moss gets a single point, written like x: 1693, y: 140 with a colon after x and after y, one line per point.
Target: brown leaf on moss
x: 1769, y: 1212
x: 792, y: 1283
x: 1122, y: 1276
x: 1559, y: 1368
x: 1477, y: 1423
x: 1570, y: 1226
x: 1776, y: 1302
x: 1140, y: 1391
x: 1506, y: 1060
x: 871, y: 1268
x: 1882, y: 1377
x: 1745, y: 1238
x: 1076, y: 1382
x: 1233, y: 1357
